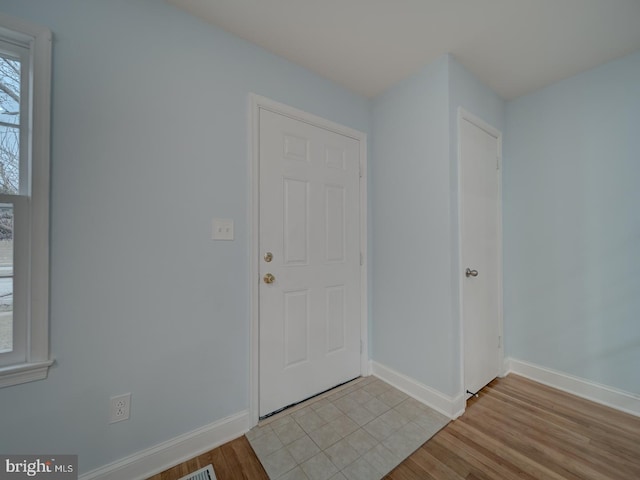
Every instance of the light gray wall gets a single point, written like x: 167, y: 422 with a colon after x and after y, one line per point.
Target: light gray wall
x: 149, y: 144
x: 467, y: 92
x: 411, y: 284
x: 415, y: 288
x: 572, y: 226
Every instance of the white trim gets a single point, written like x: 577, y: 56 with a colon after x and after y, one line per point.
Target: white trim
x: 23, y: 373
x: 364, y: 310
x: 254, y: 277
x: 451, y: 407
x: 256, y: 102
x: 38, y: 40
x: 40, y: 144
x: 151, y: 461
x: 620, y: 400
x: 23, y: 32
x: 497, y: 134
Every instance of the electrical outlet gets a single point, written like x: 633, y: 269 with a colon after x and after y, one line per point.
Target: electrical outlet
x: 120, y: 407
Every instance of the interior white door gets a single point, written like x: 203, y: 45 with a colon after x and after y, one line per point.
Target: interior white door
x: 480, y: 254
x: 309, y: 295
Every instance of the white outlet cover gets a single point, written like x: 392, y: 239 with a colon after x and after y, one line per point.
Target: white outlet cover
x: 222, y: 229
x: 119, y: 408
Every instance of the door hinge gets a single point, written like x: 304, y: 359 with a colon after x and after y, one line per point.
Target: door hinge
x: 361, y: 259
x: 497, y: 163
x: 360, y: 170
x: 361, y: 346
x: 499, y: 341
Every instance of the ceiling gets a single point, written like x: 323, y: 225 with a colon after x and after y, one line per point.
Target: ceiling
x: 513, y: 46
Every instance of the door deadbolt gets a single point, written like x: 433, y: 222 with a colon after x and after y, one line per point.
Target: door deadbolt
x: 268, y: 257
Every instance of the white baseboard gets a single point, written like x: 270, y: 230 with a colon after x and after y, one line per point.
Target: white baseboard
x: 451, y: 407
x: 611, y: 397
x: 147, y: 463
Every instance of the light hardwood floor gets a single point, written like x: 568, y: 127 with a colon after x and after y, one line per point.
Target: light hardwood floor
x: 515, y: 429
x: 521, y: 429
x: 232, y: 461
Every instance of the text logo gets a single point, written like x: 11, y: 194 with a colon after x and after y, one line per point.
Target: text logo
x: 58, y: 467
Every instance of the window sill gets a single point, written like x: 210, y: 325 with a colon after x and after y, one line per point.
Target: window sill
x: 23, y: 373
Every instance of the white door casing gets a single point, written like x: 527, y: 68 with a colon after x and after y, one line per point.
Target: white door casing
x: 308, y: 324
x: 480, y: 250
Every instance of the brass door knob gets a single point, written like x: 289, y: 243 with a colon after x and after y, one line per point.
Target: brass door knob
x: 268, y: 278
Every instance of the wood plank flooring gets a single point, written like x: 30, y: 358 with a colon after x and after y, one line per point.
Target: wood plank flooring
x: 234, y: 460
x: 521, y: 429
x: 515, y: 429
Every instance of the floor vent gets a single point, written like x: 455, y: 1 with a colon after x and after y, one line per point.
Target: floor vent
x: 205, y: 473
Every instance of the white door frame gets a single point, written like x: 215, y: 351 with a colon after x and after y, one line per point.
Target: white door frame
x: 257, y: 102
x: 464, y: 115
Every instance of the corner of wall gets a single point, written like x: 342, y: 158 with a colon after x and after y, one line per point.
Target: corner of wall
x: 451, y: 407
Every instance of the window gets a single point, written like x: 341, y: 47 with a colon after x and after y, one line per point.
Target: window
x: 25, y: 83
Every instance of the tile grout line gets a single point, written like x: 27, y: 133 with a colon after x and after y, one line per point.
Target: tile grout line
x: 400, y: 426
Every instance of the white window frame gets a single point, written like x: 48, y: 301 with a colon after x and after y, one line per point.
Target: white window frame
x: 33, y: 263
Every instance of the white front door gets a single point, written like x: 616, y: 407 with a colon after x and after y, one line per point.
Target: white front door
x: 480, y: 252
x: 309, y: 229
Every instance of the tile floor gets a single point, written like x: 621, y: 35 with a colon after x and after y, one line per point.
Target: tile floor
x: 359, y: 431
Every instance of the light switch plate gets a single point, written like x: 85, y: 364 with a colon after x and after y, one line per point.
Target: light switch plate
x: 222, y: 229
